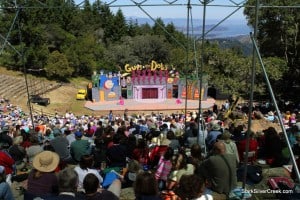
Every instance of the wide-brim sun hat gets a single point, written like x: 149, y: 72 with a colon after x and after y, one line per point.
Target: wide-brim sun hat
x: 18, y: 140
x: 46, y: 161
x: 215, y: 126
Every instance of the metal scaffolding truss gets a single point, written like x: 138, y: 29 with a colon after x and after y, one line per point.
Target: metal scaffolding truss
x: 235, y: 5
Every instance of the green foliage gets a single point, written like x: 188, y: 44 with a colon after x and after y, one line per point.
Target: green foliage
x: 278, y: 36
x: 231, y: 73
x: 57, y: 66
x: 68, y: 41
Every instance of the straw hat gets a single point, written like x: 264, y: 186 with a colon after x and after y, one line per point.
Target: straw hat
x: 226, y: 135
x: 215, y: 126
x: 18, y: 140
x: 46, y: 161
x: 165, y: 142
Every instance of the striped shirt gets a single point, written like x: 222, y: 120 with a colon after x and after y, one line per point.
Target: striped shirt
x: 163, y: 169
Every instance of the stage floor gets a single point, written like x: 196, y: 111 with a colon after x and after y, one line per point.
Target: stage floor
x: 149, y: 105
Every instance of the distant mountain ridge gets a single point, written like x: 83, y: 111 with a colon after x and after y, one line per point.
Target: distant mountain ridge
x: 230, y: 28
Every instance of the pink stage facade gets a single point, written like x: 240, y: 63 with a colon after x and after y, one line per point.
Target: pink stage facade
x: 146, y: 83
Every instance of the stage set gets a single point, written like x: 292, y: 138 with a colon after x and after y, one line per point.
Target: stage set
x: 144, y: 88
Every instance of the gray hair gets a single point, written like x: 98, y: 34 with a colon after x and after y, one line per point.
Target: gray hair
x: 67, y: 180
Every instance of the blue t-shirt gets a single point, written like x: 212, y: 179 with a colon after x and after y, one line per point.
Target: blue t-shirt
x: 5, y: 191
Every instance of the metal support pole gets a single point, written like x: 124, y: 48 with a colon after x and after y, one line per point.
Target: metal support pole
x: 187, y: 62
x: 200, y: 73
x: 25, y: 73
x: 276, y: 108
x: 251, y: 99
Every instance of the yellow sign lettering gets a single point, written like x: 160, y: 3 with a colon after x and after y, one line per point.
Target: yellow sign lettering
x: 154, y: 66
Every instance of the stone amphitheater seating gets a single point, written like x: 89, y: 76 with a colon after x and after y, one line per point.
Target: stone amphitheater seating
x: 12, y: 87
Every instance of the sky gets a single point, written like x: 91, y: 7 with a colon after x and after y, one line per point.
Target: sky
x: 216, y: 9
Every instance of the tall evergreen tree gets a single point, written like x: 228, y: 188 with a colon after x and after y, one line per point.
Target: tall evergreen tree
x: 278, y: 35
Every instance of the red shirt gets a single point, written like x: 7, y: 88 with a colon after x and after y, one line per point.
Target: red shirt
x: 141, y: 155
x: 7, y: 162
x: 253, y: 145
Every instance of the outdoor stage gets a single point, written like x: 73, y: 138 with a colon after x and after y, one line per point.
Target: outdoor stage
x: 149, y: 105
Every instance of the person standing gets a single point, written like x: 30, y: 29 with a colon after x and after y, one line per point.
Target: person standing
x: 110, y: 116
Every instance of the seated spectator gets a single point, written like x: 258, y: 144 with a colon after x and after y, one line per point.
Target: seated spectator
x: 131, y: 145
x: 99, y: 152
x: 89, y: 132
x: 192, y: 187
x: 213, y: 135
x: 94, y: 192
x: 79, y: 147
x: 67, y: 185
x: 84, y: 168
x: 179, y: 167
x: 296, y: 147
x: 292, y: 133
x: 5, y: 191
x: 7, y: 162
x: 164, y: 168
x: 174, y: 143
x: 230, y: 145
x: 134, y: 168
x: 5, y: 140
x: 116, y: 154
x: 141, y: 152
x: 156, y: 150
x: 34, y: 149
x: 273, y: 147
x: 69, y: 135
x: 253, y: 146
x: 196, y: 157
x: 42, y: 180
x: 190, y: 133
x: 18, y: 152
x: 270, y: 116
x: 61, y: 147
x: 219, y: 170
x: 49, y: 134
x: 146, y: 187
x: 26, y: 139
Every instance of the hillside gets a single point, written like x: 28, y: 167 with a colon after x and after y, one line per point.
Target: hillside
x: 242, y: 43
x: 62, y: 96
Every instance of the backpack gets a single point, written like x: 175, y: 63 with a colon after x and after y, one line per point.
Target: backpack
x: 254, y: 174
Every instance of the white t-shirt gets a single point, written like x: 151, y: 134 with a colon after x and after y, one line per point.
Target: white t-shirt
x: 83, y: 172
x: 205, y: 197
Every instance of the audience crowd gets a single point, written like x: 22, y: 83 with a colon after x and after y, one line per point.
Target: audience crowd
x: 158, y: 155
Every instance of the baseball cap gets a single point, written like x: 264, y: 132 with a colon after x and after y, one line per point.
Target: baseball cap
x: 78, y: 134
